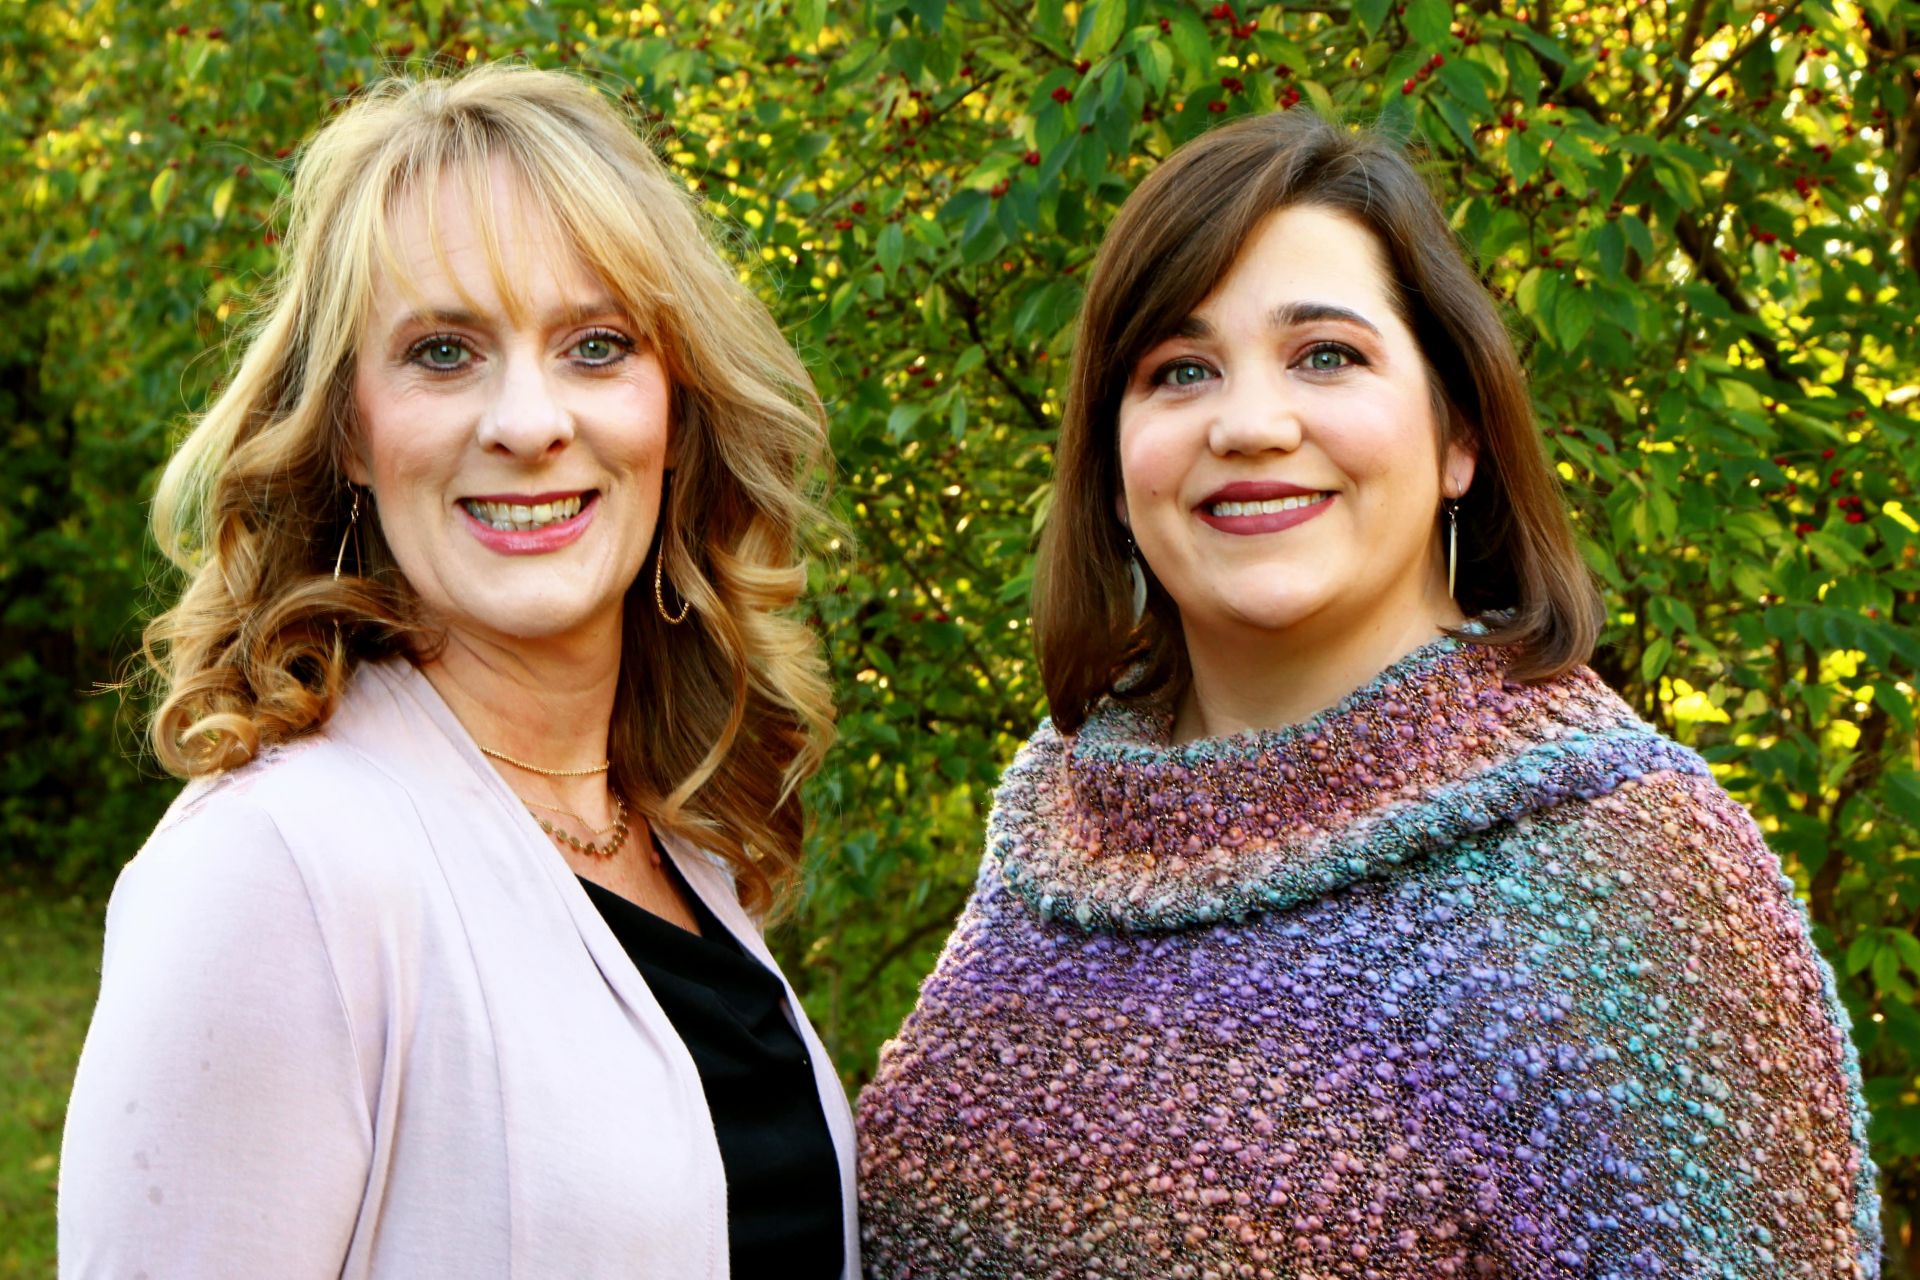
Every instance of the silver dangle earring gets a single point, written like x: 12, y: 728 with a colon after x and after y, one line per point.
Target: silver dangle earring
x: 1453, y: 541
x: 1138, y: 578
x: 353, y: 527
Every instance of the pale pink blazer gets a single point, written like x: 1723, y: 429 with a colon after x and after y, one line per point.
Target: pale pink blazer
x: 358, y: 1019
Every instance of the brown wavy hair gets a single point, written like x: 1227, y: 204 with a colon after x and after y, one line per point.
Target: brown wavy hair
x: 1174, y: 240
x: 716, y: 722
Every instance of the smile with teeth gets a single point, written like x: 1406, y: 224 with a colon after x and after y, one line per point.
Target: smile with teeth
x: 1267, y: 508
x: 514, y: 517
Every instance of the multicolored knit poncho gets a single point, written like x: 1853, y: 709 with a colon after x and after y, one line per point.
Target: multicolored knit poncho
x: 1460, y: 978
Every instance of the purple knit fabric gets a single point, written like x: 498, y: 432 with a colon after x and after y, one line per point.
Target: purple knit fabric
x: 1460, y: 978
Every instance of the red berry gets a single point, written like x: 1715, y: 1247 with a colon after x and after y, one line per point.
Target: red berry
x: 1407, y: 87
x: 1082, y: 66
x: 1166, y: 27
x: 1826, y: 455
x: 843, y: 224
x: 1032, y: 157
x: 183, y: 30
x: 1856, y: 517
x: 1063, y: 94
x: 1216, y: 107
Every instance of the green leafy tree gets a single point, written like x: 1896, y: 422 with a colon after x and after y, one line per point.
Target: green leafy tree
x: 1703, y: 214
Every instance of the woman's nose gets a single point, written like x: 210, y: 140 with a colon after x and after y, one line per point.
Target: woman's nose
x: 525, y: 416
x: 1258, y: 412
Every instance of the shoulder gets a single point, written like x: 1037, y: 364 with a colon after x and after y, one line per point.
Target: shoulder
x: 1674, y: 860
x: 315, y: 820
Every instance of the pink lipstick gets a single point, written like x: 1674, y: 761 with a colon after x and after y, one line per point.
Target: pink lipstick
x: 1249, y: 507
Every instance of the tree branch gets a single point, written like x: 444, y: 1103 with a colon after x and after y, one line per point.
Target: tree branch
x: 970, y: 313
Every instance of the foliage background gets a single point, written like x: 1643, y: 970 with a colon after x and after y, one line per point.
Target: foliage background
x: 1703, y: 214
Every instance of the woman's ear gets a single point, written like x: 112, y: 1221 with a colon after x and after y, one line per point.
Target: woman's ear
x: 1457, y: 475
x: 1461, y: 458
x: 1120, y: 511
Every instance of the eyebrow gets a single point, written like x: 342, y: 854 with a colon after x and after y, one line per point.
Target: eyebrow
x: 455, y: 318
x: 1286, y: 316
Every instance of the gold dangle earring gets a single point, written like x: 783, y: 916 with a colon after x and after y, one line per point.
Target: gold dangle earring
x: 660, y: 563
x: 353, y: 528
x: 659, y: 590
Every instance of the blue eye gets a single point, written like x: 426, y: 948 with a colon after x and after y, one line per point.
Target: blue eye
x: 440, y: 354
x: 1182, y: 373
x: 602, y: 348
x: 1330, y: 358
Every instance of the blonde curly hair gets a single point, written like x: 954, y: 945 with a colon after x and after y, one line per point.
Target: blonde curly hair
x: 716, y: 722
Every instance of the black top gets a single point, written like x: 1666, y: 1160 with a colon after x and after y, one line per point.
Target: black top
x: 783, y: 1176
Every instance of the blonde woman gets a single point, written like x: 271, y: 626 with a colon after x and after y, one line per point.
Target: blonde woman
x: 447, y: 961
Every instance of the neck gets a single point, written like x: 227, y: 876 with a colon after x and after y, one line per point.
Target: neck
x: 1249, y: 680
x: 549, y: 703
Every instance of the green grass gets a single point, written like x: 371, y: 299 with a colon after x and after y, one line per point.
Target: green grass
x: 49, y: 971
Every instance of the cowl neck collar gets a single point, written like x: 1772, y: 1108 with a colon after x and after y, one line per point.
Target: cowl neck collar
x: 1118, y: 828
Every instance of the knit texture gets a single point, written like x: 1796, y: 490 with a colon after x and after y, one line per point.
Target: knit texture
x: 1460, y: 978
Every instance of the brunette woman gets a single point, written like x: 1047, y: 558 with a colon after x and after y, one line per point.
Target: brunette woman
x: 1341, y: 922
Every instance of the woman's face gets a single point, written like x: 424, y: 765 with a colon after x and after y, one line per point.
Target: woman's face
x: 516, y: 461
x: 1279, y: 458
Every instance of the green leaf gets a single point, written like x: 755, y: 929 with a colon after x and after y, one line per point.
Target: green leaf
x: 1654, y: 659
x: 1611, y: 245
x: 1903, y: 789
x: 969, y: 360
x: 891, y: 249
x: 1192, y: 45
x: 1899, y: 707
x: 1526, y: 295
x: 223, y: 198
x: 1909, y: 948
x: 1573, y: 317
x: 1456, y: 120
x: 1100, y: 26
x: 1429, y: 22
x: 1372, y: 14
x: 957, y: 418
x: 1523, y: 155
x: 1156, y: 64
x: 901, y: 420
x: 1637, y: 236
x: 272, y: 179
x: 1886, y: 975
x: 1467, y: 82
x: 161, y: 189
x: 1860, y: 953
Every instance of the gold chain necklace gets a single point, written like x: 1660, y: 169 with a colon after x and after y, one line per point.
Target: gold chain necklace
x: 589, y: 848
x: 547, y: 773
x: 568, y: 813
